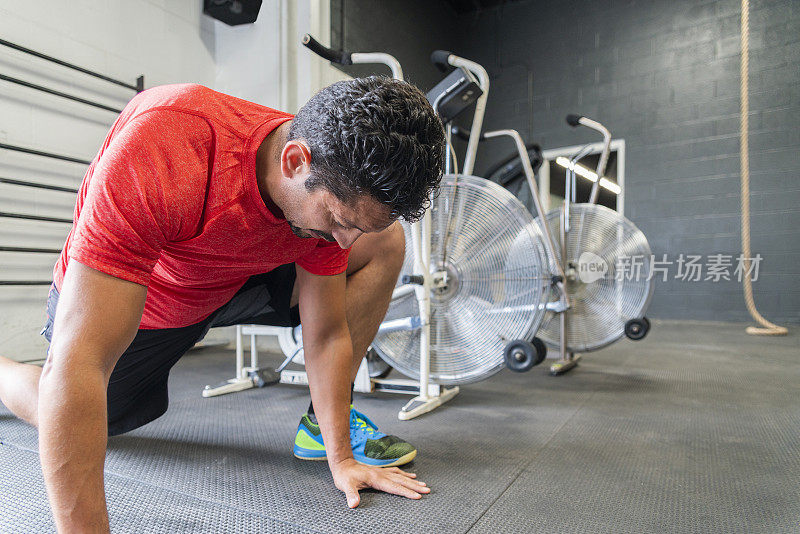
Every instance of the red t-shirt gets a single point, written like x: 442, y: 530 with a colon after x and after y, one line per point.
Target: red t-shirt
x: 171, y: 202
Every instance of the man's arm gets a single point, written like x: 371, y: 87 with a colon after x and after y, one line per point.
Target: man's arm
x: 96, y: 319
x: 328, y: 353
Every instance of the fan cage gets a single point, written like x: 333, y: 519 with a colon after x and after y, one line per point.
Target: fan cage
x: 600, y: 309
x: 495, y: 252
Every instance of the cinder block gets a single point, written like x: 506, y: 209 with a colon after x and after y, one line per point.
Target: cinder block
x: 768, y: 12
x: 684, y: 93
x: 777, y: 221
x: 638, y: 191
x: 765, y: 179
x: 689, y: 14
x: 772, y: 97
x: 695, y: 187
x: 775, y: 241
x: 720, y: 107
x: 768, y: 140
x: 675, y: 113
x: 695, y: 131
x: 779, y: 262
x: 781, y: 159
x: 629, y: 108
x: 708, y: 166
x: 654, y: 137
x: 728, y: 25
x: 727, y: 46
x: 782, y: 76
x: 775, y: 201
x: 713, y: 244
x: 642, y: 83
x: 773, y: 119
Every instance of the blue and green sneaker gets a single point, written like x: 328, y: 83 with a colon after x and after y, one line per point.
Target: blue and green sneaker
x: 370, y: 446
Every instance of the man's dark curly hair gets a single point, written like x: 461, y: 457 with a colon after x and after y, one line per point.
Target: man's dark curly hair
x: 377, y: 136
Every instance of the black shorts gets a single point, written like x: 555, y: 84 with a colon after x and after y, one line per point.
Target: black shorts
x: 137, y: 390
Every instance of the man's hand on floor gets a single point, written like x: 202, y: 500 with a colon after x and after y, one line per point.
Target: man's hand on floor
x: 351, y: 476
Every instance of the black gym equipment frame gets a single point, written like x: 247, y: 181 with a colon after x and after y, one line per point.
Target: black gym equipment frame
x: 138, y: 87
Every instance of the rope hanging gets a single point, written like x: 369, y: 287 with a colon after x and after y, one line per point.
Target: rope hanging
x: 767, y: 328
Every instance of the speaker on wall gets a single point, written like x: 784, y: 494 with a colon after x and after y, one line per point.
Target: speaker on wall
x: 232, y: 12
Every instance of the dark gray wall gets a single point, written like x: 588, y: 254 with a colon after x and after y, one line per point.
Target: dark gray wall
x: 408, y: 29
x: 663, y: 75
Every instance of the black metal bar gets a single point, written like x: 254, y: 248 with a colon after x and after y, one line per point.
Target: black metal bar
x: 69, y: 65
x: 25, y: 283
x: 45, y: 154
x: 31, y: 250
x: 58, y: 93
x: 34, y: 217
x: 37, y: 186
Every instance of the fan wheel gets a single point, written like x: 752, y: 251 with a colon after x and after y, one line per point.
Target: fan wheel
x: 522, y: 356
x: 636, y: 329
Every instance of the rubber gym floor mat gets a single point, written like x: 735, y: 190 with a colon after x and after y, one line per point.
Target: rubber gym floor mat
x: 133, y: 507
x: 657, y: 436
x: 701, y: 436
x: 248, y: 459
x: 235, y: 450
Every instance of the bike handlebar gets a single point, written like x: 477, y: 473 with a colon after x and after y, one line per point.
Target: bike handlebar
x: 573, y: 120
x: 334, y: 56
x: 463, y: 134
x: 439, y: 59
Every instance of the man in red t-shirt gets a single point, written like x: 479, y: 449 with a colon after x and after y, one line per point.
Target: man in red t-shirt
x: 205, y: 210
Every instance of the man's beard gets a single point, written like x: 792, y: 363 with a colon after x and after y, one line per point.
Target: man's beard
x: 299, y: 232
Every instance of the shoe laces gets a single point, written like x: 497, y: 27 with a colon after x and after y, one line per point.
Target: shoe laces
x: 363, y: 427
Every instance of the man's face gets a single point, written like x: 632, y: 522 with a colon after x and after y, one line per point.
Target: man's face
x: 319, y: 214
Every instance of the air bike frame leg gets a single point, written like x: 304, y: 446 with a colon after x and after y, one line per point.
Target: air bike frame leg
x: 424, y: 402
x: 568, y: 360
x: 421, y: 241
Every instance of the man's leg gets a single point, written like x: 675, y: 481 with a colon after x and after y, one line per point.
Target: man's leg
x: 372, y: 271
x: 137, y: 390
x: 19, y: 388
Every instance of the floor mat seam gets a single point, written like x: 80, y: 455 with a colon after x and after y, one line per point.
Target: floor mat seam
x: 18, y: 447
x: 189, y: 495
x: 524, y: 467
x: 536, y: 454
x: 217, y: 502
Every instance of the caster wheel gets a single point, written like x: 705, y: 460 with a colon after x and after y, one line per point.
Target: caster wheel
x: 541, y: 350
x: 636, y: 329
x: 377, y: 367
x: 265, y: 377
x: 522, y: 356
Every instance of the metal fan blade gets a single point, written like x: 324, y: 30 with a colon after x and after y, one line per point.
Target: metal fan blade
x: 599, y: 308
x: 499, y: 283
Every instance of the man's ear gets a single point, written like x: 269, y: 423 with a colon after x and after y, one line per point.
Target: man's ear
x: 295, y: 158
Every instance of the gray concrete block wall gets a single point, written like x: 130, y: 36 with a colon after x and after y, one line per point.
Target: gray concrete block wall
x: 665, y: 77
